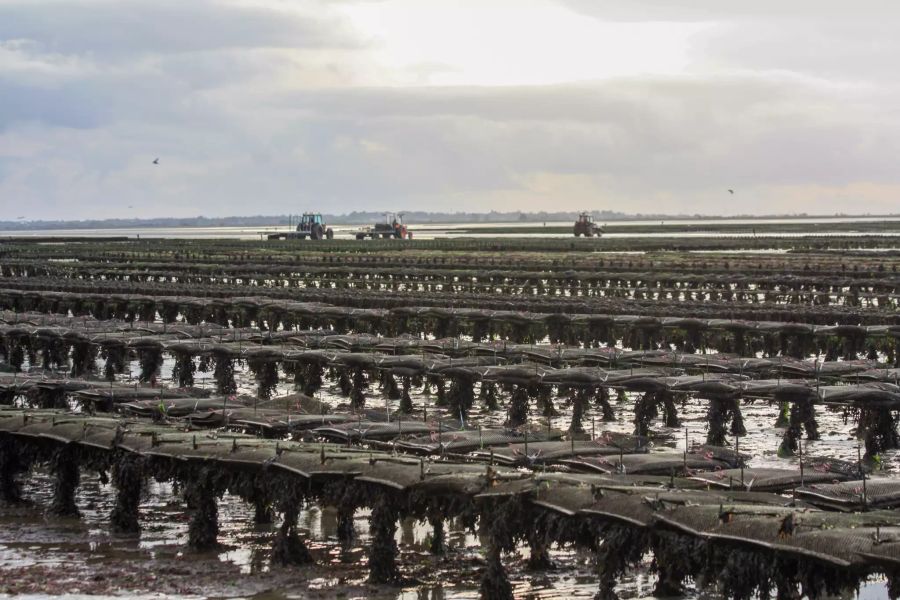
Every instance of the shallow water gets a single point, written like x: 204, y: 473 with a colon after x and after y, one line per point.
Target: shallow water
x: 43, y: 557
x: 77, y: 556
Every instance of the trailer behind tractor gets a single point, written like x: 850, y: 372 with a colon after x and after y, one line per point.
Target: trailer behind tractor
x: 391, y: 227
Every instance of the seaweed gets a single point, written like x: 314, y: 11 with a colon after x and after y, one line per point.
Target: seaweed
x: 406, y: 404
x: 358, y: 391
x: 12, y: 464
x: 601, y: 399
x: 84, y: 358
x: 675, y: 557
x: 671, y: 410
x: 345, y: 385
x: 579, y: 404
x: 539, y: 555
x: 545, y: 401
x: 878, y: 428
x: 20, y: 352
x: 255, y: 489
x: 488, y: 395
x: 341, y: 494
x: 297, y: 372
x: 461, y: 396
x: 784, y: 415
x: 128, y: 477
x: 184, y: 368
x: 288, y: 547
x: 266, y: 373
x: 114, y: 357
x: 389, y: 385
x: 716, y: 418
x: 151, y: 360
x: 645, y: 410
x: 383, y: 549
x: 64, y: 465
x: 54, y: 352
x: 893, y: 585
x: 224, y: 373
x: 499, y: 520
x: 802, y: 416
x: 437, y: 543
x: 622, y: 546
x: 495, y: 583
x: 745, y: 574
x: 518, y: 407
x: 202, y: 489
x: 313, y: 378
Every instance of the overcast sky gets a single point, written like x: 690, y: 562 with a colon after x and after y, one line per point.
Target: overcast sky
x: 266, y: 106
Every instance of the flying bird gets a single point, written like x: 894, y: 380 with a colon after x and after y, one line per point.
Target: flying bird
x: 156, y: 161
x: 731, y: 192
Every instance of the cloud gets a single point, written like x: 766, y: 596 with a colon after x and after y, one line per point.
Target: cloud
x: 824, y: 38
x: 767, y: 11
x: 117, y: 31
x: 261, y: 107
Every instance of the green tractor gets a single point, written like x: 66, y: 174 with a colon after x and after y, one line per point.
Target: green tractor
x: 311, y: 226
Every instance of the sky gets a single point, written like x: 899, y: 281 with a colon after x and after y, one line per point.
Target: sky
x: 277, y: 106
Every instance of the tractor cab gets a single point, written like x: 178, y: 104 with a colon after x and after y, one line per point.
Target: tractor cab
x: 309, y: 220
x: 393, y: 220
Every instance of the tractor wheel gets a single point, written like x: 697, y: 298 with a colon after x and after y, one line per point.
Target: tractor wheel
x: 316, y: 233
x: 329, y: 233
x: 360, y: 236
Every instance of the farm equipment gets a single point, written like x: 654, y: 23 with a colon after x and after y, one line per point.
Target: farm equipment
x: 585, y: 226
x: 311, y: 226
x: 392, y: 227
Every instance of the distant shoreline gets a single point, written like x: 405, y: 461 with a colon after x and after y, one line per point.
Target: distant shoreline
x: 754, y: 227
x: 503, y: 221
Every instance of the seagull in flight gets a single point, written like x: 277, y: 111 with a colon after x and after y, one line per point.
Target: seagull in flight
x: 156, y: 161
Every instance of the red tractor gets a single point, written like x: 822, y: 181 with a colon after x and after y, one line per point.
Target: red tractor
x: 585, y: 226
x: 392, y: 227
